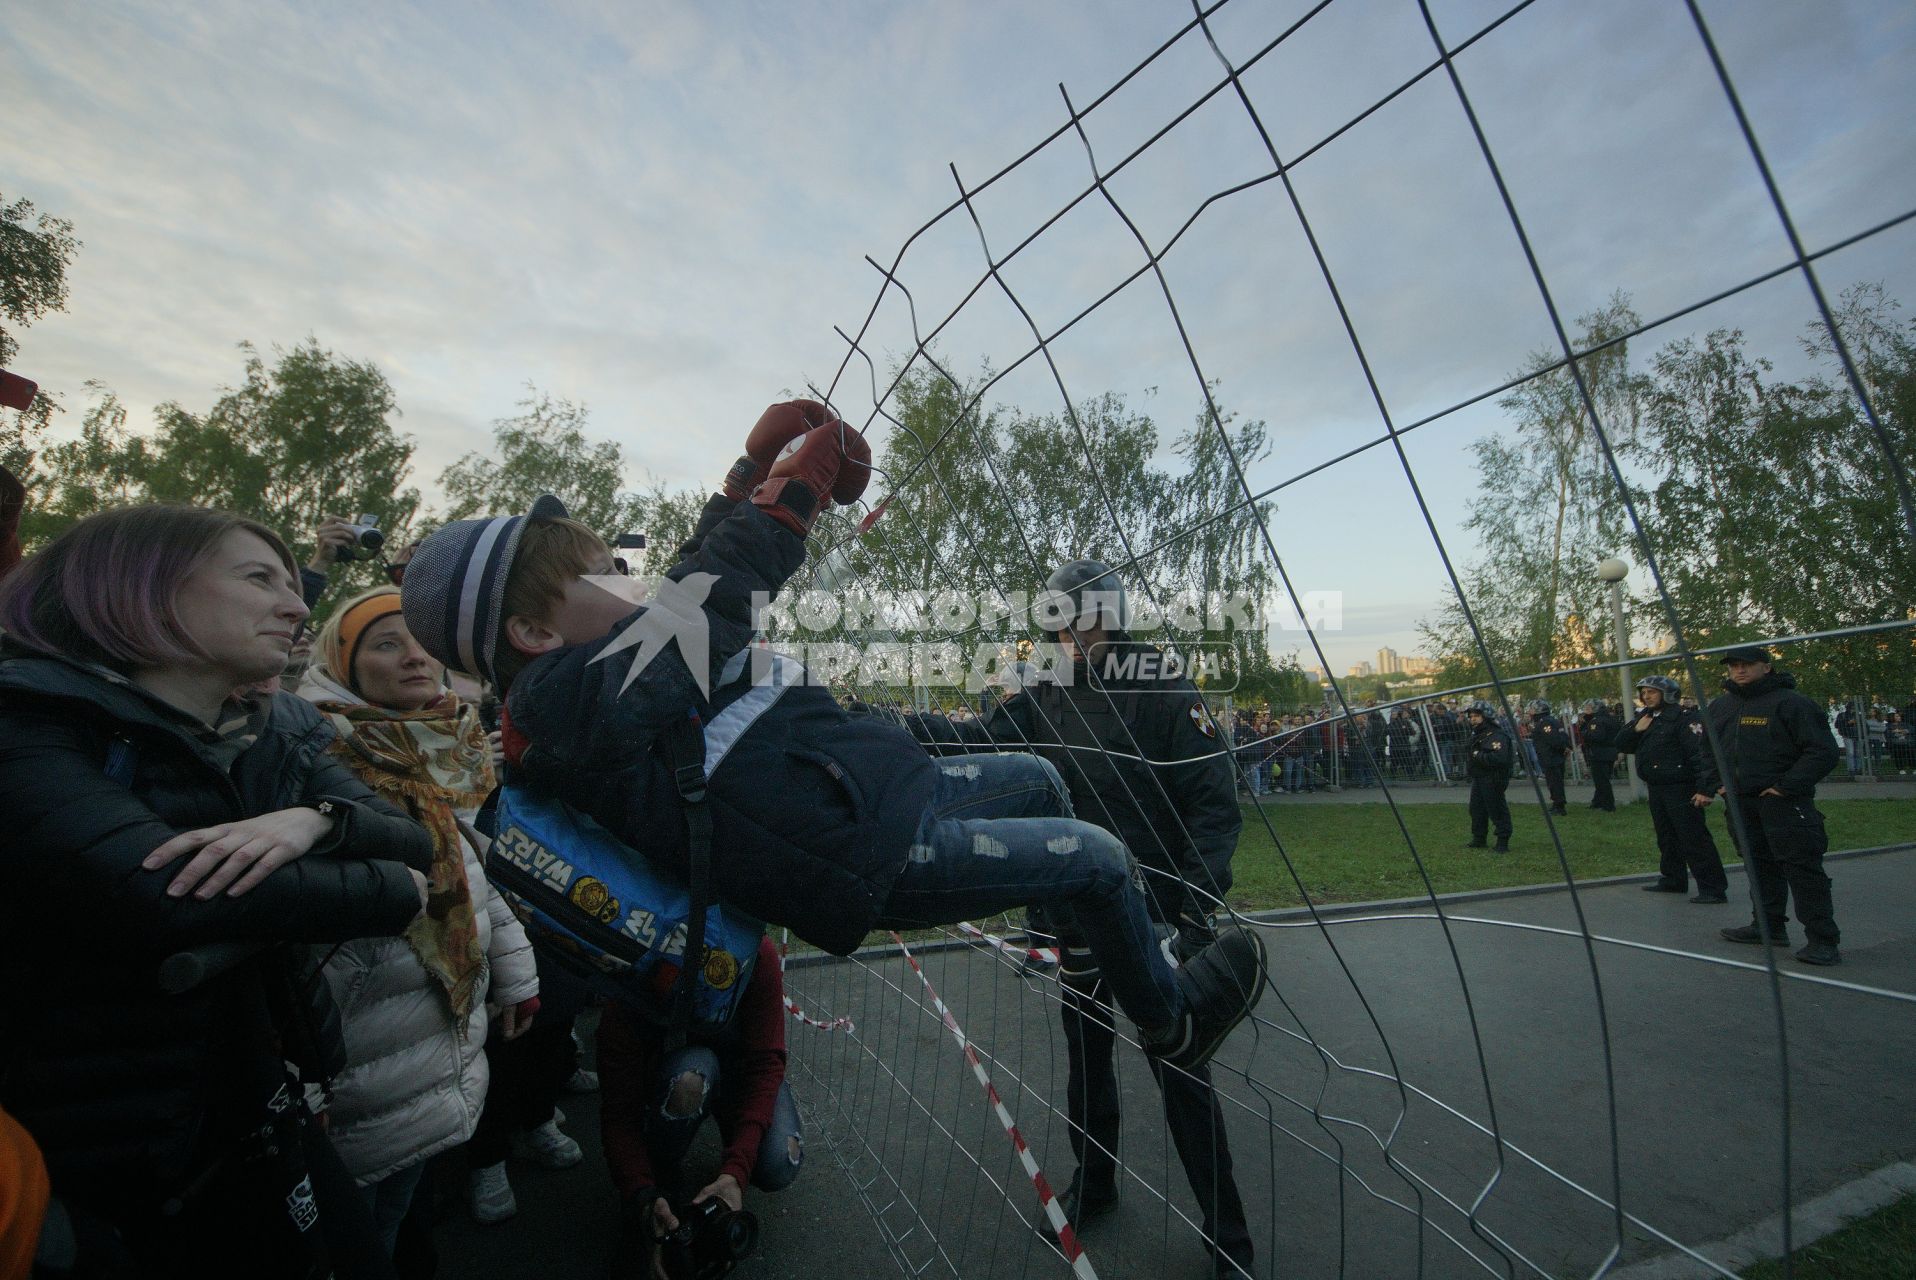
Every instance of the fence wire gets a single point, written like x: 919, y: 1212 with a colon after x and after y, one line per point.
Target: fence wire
x: 1426, y: 1178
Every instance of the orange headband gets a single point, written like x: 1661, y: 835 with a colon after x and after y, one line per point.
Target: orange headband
x: 353, y: 625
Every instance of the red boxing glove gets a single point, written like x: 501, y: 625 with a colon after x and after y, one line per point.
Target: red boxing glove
x: 801, y: 482
x: 855, y: 472
x: 17, y: 392
x: 777, y: 427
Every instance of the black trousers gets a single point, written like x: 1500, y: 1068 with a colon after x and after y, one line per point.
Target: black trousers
x: 1784, y: 851
x: 1553, y: 778
x: 1488, y: 806
x: 1684, y: 842
x: 240, y: 1223
x: 1191, y: 1113
x: 1605, y: 798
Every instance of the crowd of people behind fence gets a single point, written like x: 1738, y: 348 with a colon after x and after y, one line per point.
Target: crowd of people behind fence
x: 273, y: 872
x: 1322, y: 748
x: 164, y: 757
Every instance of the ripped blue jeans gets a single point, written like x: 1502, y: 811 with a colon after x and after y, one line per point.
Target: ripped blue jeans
x: 690, y: 1083
x: 999, y: 834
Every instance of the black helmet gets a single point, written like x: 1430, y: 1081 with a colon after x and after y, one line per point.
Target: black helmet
x: 1082, y: 594
x: 1669, y: 688
x: 1538, y: 707
x: 1488, y: 710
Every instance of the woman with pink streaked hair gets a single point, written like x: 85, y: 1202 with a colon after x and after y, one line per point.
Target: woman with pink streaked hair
x: 151, y: 811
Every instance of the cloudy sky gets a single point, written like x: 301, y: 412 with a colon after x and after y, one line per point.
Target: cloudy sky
x: 664, y: 211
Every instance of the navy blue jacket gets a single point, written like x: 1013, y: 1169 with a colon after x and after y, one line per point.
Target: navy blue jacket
x: 813, y: 810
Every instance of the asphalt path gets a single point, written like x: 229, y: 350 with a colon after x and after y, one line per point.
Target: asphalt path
x: 1411, y: 1100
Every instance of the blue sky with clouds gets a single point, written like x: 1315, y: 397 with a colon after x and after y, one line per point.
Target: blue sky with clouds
x: 664, y: 210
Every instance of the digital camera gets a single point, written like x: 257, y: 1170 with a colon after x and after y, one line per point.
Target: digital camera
x: 710, y: 1240
x: 368, y: 542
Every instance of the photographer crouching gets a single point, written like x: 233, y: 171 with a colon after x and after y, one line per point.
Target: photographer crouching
x: 653, y: 1106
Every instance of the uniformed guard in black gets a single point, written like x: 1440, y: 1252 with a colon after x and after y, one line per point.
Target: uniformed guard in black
x: 1488, y: 761
x: 1668, y: 744
x: 1143, y: 759
x: 1552, y: 743
x: 1778, y: 746
x: 1599, y: 730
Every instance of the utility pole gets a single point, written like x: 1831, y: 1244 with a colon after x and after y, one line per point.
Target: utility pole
x: 1613, y: 571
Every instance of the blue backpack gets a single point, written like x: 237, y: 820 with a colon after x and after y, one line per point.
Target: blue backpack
x: 600, y: 907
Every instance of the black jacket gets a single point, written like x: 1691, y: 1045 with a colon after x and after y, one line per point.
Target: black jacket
x: 1772, y: 736
x: 813, y: 810
x: 1551, y: 740
x: 1671, y: 750
x: 129, y: 1091
x: 1600, y: 732
x: 1488, y: 751
x: 1141, y: 758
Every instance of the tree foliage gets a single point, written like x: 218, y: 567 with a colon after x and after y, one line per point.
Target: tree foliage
x: 1547, y: 509
x: 308, y: 436
x: 1769, y: 506
x: 987, y: 500
x: 547, y: 447
x: 34, y: 255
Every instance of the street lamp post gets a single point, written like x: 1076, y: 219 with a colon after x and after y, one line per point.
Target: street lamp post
x: 1613, y: 571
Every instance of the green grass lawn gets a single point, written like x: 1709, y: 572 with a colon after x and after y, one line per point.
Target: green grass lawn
x: 1881, y: 1246
x: 1356, y: 852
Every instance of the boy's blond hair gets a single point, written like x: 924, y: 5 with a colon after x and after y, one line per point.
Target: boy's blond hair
x: 553, y: 552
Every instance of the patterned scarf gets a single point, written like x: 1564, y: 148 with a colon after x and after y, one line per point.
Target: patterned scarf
x: 430, y: 763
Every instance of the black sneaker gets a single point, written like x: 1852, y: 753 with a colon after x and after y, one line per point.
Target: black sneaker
x: 1710, y: 898
x: 1754, y: 936
x: 1664, y: 886
x: 1220, y: 984
x: 1820, y: 953
x: 1478, y: 844
x: 1080, y: 1204
x: 1503, y: 845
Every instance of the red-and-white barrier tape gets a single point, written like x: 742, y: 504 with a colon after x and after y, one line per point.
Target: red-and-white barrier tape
x: 1067, y: 1238
x: 1041, y: 955
x: 791, y: 1005
x: 836, y: 1024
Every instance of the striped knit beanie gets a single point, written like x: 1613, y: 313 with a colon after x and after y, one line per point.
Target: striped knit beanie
x: 454, y: 593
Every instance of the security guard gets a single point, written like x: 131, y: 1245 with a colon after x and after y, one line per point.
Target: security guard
x: 1488, y: 761
x: 1142, y: 758
x: 1599, y: 730
x: 1778, y: 746
x: 1552, y: 743
x: 1668, y: 744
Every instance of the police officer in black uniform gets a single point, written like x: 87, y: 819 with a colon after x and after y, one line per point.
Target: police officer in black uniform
x: 1552, y: 743
x: 1143, y: 759
x: 1668, y: 744
x: 1488, y: 759
x: 1778, y: 746
x: 1599, y: 730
